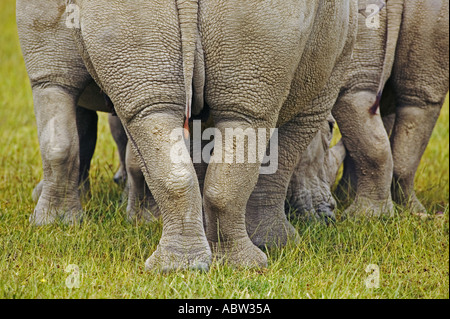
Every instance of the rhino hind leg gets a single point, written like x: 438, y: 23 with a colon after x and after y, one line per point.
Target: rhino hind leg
x: 87, y: 132
x: 368, y: 147
x: 409, y: 140
x: 141, y: 206
x: 59, y: 143
x: 420, y: 78
x: 266, y: 220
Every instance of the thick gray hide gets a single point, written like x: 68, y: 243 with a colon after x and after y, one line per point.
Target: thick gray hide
x: 407, y: 59
x: 264, y: 68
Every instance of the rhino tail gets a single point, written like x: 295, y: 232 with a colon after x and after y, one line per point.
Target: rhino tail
x: 188, y: 19
x: 394, y: 10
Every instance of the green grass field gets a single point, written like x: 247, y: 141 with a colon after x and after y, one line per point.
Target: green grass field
x: 329, y: 262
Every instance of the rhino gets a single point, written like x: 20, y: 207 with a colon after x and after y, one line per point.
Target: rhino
x: 395, y: 88
x: 260, y: 68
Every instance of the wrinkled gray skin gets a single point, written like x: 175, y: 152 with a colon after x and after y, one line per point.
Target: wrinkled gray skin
x: 309, y: 194
x: 87, y: 120
x: 147, y: 75
x: 415, y: 60
x: 142, y: 206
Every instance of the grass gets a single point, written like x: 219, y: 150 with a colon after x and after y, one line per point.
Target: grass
x: 329, y: 262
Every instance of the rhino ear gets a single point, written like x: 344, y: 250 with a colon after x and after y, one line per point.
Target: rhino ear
x: 336, y: 157
x: 339, y: 152
x: 331, y: 123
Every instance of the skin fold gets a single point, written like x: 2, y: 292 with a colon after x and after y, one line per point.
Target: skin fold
x: 407, y: 57
x: 270, y: 65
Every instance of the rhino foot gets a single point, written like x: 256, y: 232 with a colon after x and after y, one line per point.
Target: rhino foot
x: 365, y: 207
x: 189, y: 257
x: 239, y: 254
x: 37, y: 191
x: 269, y: 229
x: 67, y: 216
